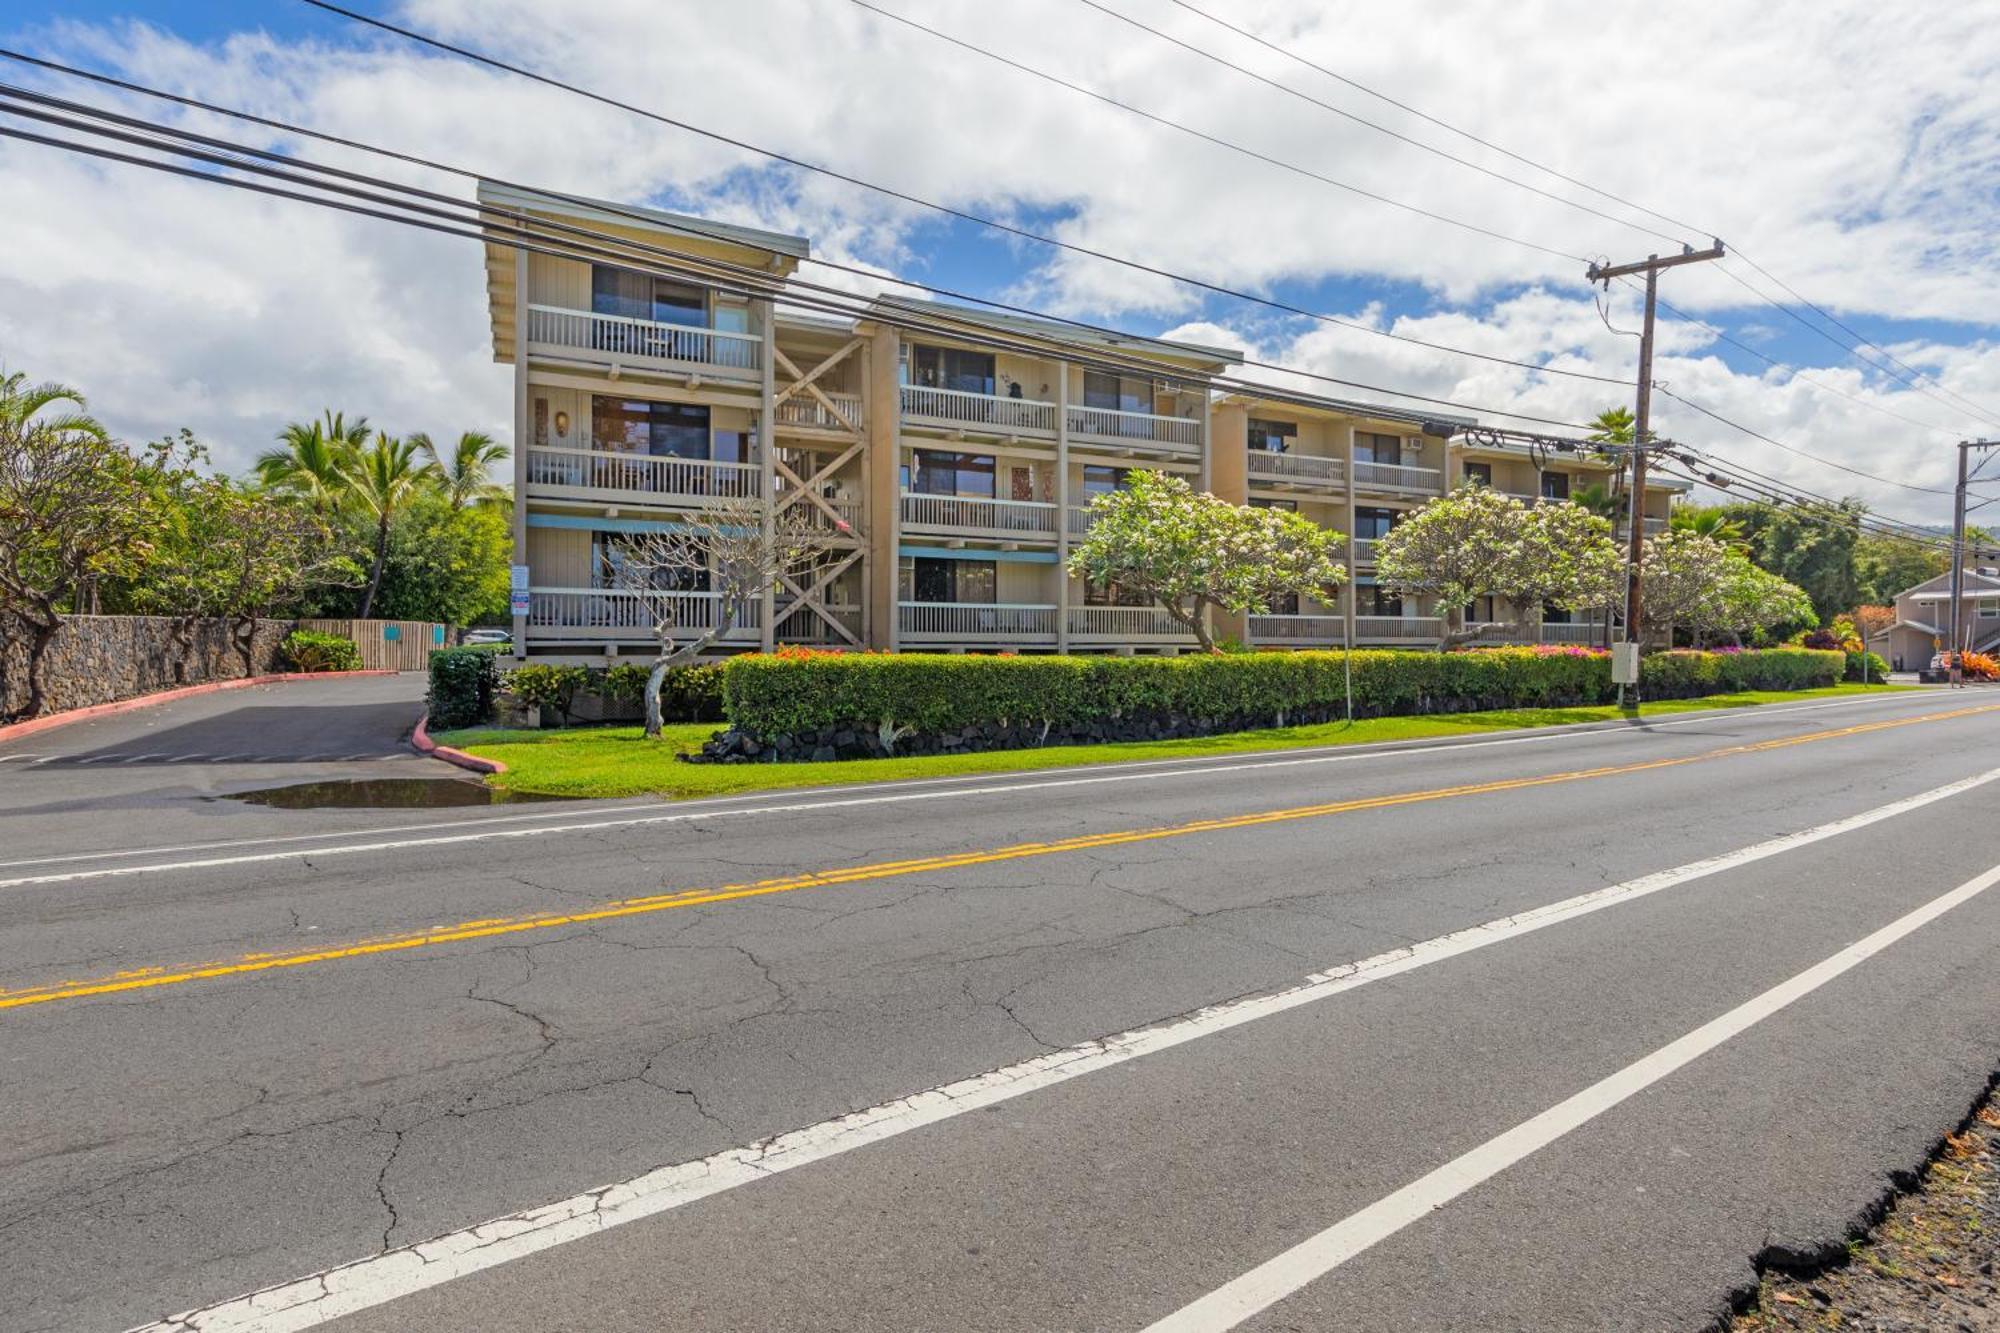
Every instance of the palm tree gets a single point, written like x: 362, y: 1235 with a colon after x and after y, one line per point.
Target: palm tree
x: 1713, y: 523
x: 1614, y: 425
x: 382, y: 479
x: 315, y: 460
x: 1596, y: 497
x: 463, y: 475
x: 22, y: 405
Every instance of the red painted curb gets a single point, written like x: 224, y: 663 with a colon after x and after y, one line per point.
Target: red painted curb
x: 54, y: 720
x: 421, y: 742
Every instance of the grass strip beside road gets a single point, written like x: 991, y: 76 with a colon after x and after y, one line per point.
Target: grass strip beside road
x: 620, y: 761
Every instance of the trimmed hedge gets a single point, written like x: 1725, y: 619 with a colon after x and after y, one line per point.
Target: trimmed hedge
x: 462, y: 685
x: 309, y: 650
x: 688, y: 694
x: 853, y: 703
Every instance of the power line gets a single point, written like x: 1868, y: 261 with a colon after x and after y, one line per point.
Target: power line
x: 1911, y: 382
x: 794, y: 292
x: 1256, y: 387
x: 1779, y: 444
x: 1379, y: 128
x: 1440, y: 123
x: 1952, y: 398
x: 1206, y: 137
x: 685, y: 226
x: 904, y: 196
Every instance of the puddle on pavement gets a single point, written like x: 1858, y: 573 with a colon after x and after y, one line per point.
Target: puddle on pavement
x: 381, y: 794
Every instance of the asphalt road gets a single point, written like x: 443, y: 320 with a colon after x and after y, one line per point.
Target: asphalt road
x: 1374, y: 1060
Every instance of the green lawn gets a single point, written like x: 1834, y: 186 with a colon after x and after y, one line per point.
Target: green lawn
x: 620, y: 761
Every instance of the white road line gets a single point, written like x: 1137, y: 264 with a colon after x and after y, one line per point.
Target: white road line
x: 976, y: 784
x: 378, y: 1279
x: 1275, y: 1279
x: 688, y: 811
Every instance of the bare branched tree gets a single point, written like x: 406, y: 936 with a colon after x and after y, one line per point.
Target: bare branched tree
x: 734, y: 551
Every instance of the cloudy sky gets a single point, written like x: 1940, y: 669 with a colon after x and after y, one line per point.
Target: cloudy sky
x: 1852, y: 150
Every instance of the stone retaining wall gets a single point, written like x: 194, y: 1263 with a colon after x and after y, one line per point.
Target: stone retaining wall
x: 99, y: 659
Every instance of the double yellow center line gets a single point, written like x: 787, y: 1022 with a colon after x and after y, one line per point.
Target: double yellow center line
x: 492, y: 927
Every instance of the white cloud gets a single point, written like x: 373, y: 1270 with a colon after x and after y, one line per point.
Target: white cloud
x: 1847, y: 147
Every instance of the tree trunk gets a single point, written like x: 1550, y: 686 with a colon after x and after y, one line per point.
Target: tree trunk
x: 246, y: 643
x: 375, y: 574
x: 41, y: 633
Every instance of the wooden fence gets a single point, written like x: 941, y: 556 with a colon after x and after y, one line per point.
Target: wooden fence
x: 387, y: 645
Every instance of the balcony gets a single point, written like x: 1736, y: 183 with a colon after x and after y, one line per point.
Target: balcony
x: 807, y: 626
x: 1295, y: 469
x: 594, y: 474
x: 957, y: 409
x: 1398, y: 629
x: 616, y: 340
x: 1401, y: 477
x: 1296, y: 630
x: 1364, y: 550
x: 558, y: 615
x: 802, y: 411
x: 1120, y: 625
x: 1143, y: 430
x: 1000, y: 624
x: 977, y: 516
x: 988, y: 413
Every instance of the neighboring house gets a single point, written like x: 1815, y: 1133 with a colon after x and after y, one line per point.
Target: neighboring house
x: 953, y: 465
x: 1923, y: 619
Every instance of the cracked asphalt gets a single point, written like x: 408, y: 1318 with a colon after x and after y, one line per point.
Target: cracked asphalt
x: 177, y: 1146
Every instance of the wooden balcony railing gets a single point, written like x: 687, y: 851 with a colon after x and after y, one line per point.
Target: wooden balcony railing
x: 1268, y: 466
x: 618, y: 337
x: 999, y: 623
x: 959, y: 407
x: 643, y: 474
x: 1027, y: 518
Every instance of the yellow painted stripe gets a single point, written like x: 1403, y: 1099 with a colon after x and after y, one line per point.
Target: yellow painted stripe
x: 491, y: 927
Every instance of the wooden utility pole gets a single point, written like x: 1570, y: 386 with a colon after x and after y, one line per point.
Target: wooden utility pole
x: 1955, y: 645
x: 1642, y: 417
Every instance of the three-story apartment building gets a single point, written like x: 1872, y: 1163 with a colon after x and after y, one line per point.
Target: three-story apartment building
x: 949, y: 455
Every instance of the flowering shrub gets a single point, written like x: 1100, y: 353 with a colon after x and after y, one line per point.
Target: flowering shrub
x: 1981, y: 666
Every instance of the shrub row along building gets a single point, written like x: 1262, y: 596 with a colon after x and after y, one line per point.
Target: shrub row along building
x: 951, y: 463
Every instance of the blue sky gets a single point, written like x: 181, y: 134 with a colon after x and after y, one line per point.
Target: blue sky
x: 1867, y: 176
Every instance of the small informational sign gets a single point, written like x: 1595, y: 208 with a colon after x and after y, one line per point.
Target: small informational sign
x: 1624, y: 664
x: 517, y: 598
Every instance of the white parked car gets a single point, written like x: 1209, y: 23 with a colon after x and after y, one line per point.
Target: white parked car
x: 474, y: 638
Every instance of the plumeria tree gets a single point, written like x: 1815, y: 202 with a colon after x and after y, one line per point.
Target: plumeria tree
x: 1477, y: 543
x: 1703, y: 586
x: 732, y: 550
x: 1188, y: 551
x: 74, y: 508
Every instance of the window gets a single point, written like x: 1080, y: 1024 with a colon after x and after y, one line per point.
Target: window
x: 1371, y: 523
x: 664, y: 430
x: 1556, y: 615
x: 608, y: 559
x: 1272, y: 436
x: 940, y: 472
x: 1989, y: 608
x: 1372, y: 599
x: 1110, y: 594
x: 1120, y: 393
x: 1555, y: 485
x: 629, y: 295
x: 1101, y: 480
x: 966, y: 582
x: 1282, y: 604
x: 1479, y: 472
x: 1370, y: 447
x: 734, y: 446
x: 1291, y: 506
x: 951, y: 368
